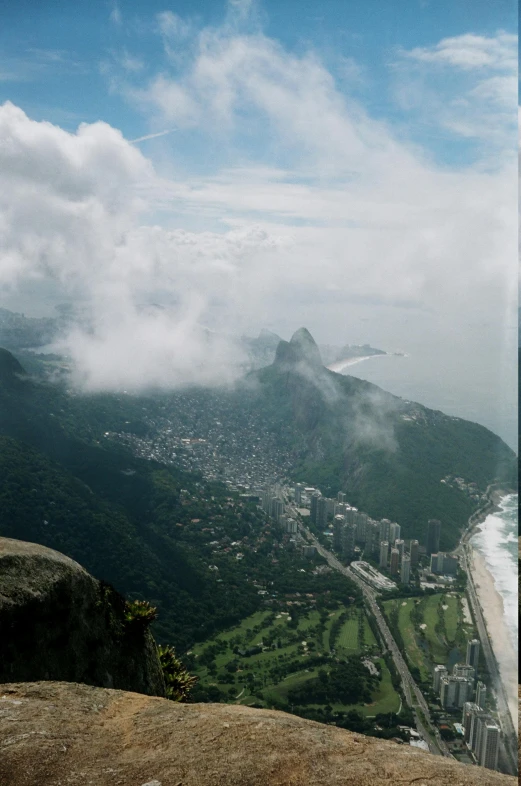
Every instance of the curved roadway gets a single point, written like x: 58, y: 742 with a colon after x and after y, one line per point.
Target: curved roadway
x: 413, y: 696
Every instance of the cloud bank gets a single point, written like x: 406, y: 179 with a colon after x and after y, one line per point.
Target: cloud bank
x: 313, y: 207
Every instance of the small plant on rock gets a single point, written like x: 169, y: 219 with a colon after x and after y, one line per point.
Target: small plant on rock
x: 139, y: 614
x: 179, y: 682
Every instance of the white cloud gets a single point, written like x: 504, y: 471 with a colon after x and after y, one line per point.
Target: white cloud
x: 354, y: 216
x: 172, y: 26
x: 465, y: 85
x: 116, y: 16
x: 471, y: 51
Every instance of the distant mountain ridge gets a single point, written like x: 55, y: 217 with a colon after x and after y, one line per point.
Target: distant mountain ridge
x: 390, y: 456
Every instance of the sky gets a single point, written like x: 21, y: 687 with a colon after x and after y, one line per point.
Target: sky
x: 350, y: 167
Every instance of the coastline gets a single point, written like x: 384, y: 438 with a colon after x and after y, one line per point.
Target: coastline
x: 492, y: 607
x: 491, y: 506
x: 340, y: 365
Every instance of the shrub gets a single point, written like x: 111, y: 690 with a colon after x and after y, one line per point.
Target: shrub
x: 179, y: 682
x: 139, y: 614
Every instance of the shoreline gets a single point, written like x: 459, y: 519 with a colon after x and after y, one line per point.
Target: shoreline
x: 339, y: 365
x: 492, y: 607
x: 491, y: 506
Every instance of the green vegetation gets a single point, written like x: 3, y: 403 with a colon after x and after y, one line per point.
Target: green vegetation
x: 139, y: 614
x: 430, y: 630
x: 304, y: 660
x: 401, y: 467
x: 179, y: 682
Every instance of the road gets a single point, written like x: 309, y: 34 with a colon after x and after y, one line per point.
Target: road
x: 464, y: 552
x: 413, y: 696
x: 503, y: 711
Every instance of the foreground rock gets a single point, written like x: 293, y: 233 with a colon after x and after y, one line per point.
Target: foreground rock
x: 59, y: 623
x: 61, y: 733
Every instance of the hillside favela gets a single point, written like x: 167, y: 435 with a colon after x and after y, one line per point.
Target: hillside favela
x: 258, y: 394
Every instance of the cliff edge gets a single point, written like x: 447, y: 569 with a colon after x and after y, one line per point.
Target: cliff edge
x: 56, y: 733
x: 57, y: 622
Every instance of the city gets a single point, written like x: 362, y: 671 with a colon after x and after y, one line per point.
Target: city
x: 456, y: 708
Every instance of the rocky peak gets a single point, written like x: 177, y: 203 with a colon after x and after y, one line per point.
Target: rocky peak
x: 300, y: 350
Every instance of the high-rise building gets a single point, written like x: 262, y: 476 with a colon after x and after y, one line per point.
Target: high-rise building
x: 481, y: 695
x: 433, y: 536
x: 415, y: 552
x: 395, y: 561
x: 266, y: 497
x: 297, y: 494
x: 476, y: 721
x: 439, y: 672
x: 454, y: 691
x: 276, y: 508
x: 322, y: 513
x: 395, y: 531
x: 351, y: 514
x: 384, y: 553
x: 314, y: 506
x: 400, y: 545
x: 361, y: 522
x: 463, y: 670
x: 338, y: 525
x: 405, y: 570
x: 348, y: 540
x: 473, y: 653
x: 469, y: 710
x: 488, y: 750
x: 385, y: 530
x: 435, y: 562
x: 371, y: 536
x: 450, y: 565
x: 448, y: 692
x: 341, y: 497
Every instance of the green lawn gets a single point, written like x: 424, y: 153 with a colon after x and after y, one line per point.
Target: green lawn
x: 284, y: 647
x: 348, y: 636
x: 386, y: 699
x: 439, y: 626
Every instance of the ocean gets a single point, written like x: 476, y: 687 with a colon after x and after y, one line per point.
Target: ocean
x: 496, y: 540
x: 450, y: 382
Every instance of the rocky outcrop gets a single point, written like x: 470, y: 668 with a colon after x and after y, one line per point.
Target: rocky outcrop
x: 301, y: 351
x: 59, y: 733
x: 59, y: 623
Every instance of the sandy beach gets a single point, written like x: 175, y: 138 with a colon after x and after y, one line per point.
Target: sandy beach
x: 340, y: 365
x: 492, y: 605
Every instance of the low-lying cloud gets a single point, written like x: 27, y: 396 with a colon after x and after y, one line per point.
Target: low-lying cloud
x: 353, y: 216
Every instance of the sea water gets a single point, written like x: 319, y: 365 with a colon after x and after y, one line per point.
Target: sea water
x: 496, y: 541
x: 450, y: 382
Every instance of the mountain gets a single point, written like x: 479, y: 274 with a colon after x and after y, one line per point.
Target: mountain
x: 10, y: 368
x: 294, y: 419
x: 261, y: 351
x: 155, y: 532
x: 393, y: 458
x: 127, y: 520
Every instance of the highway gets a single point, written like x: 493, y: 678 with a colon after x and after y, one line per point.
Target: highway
x: 464, y: 552
x: 413, y: 696
x: 503, y: 711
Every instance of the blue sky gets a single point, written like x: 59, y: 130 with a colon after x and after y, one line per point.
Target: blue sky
x: 348, y: 166
x: 57, y: 56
